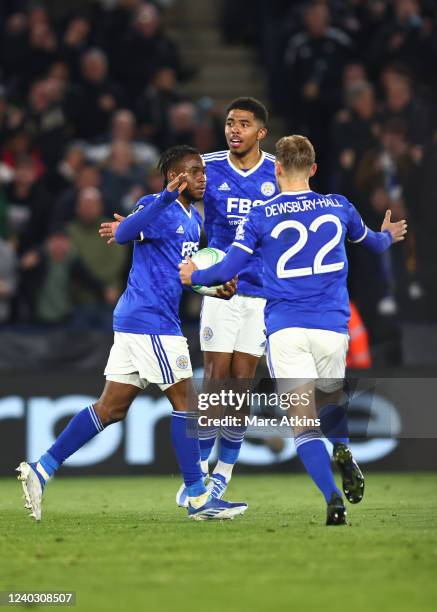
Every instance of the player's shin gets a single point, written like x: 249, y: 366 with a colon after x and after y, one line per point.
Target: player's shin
x: 185, y: 438
x: 333, y: 412
x: 83, y: 427
x: 334, y: 423
x: 317, y: 462
x: 207, y: 438
x: 231, y: 439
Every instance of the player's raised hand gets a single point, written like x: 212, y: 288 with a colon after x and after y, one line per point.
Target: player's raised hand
x: 228, y: 290
x: 179, y: 183
x: 108, y: 228
x: 186, y: 269
x: 397, y: 230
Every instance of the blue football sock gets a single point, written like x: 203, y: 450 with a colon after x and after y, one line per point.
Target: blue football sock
x: 231, y: 439
x: 207, y: 438
x: 315, y: 458
x: 185, y: 438
x: 49, y: 464
x: 334, y: 423
x: 83, y: 427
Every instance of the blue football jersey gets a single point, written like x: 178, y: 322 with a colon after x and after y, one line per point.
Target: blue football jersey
x: 230, y: 194
x: 150, y: 303
x: 301, y: 238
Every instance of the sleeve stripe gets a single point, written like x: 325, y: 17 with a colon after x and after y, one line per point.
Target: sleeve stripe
x: 362, y: 237
x: 242, y: 246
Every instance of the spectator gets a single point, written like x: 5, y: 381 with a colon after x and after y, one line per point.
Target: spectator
x: 52, y: 272
x: 106, y: 265
x: 183, y: 125
x: 154, y: 105
x: 114, y: 25
x: 400, y: 102
x: 355, y: 132
x: 45, y: 119
x: 27, y: 207
x: 29, y: 47
x: 63, y: 175
x: 143, y: 49
x: 19, y: 145
x: 75, y: 41
x: 123, y: 129
x: 353, y: 72
x: 409, y: 38
x: 122, y: 179
x: 42, y: 42
x: 88, y: 175
x: 386, y: 178
x: 314, y: 60
x: 99, y: 97
x: 8, y: 279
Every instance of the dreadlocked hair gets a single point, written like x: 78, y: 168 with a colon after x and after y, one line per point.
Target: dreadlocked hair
x: 172, y: 156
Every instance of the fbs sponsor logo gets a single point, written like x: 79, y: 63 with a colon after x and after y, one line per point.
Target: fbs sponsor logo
x: 224, y: 187
x: 188, y: 248
x: 241, y: 205
x: 207, y: 333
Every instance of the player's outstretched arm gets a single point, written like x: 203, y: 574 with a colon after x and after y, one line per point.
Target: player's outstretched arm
x: 219, y: 274
x: 378, y: 242
x: 131, y: 227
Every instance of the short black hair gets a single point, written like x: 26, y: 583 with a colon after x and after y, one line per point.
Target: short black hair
x: 252, y: 105
x: 172, y: 156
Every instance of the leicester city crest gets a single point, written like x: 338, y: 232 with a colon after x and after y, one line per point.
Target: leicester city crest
x: 207, y: 333
x: 182, y: 362
x: 268, y: 188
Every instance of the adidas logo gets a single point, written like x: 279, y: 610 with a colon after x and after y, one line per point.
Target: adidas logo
x: 180, y: 230
x: 224, y: 187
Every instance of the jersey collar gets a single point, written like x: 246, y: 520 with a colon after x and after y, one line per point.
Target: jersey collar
x: 295, y: 192
x: 248, y: 172
x: 187, y: 212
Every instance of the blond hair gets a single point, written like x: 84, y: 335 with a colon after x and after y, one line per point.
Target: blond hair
x: 295, y: 153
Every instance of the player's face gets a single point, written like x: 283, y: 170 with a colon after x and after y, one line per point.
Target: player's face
x: 194, y: 167
x: 243, y: 131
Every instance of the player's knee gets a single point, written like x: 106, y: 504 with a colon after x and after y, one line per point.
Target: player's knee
x: 216, y: 371
x: 111, y: 412
x: 242, y: 373
x: 243, y: 370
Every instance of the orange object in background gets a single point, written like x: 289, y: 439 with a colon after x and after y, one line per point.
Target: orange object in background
x: 359, y: 353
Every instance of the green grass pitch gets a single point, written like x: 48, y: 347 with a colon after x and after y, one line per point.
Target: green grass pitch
x: 121, y: 543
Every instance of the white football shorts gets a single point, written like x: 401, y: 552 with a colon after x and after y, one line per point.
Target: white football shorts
x: 142, y: 359
x: 314, y: 354
x: 233, y: 325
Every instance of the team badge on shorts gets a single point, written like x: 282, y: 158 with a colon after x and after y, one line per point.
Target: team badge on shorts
x: 207, y: 333
x: 268, y: 188
x: 182, y: 362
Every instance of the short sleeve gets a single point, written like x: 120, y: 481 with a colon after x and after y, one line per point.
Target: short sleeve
x: 356, y: 228
x: 248, y: 233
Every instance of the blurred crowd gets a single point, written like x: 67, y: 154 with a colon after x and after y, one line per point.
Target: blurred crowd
x: 359, y: 78
x: 88, y: 100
